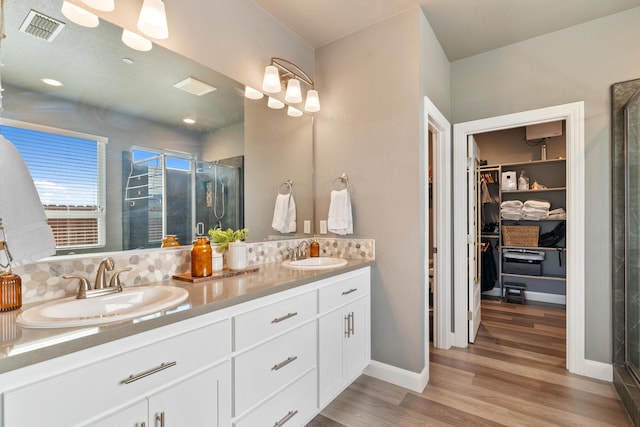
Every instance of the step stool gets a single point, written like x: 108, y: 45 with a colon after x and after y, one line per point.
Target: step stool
x: 514, y: 292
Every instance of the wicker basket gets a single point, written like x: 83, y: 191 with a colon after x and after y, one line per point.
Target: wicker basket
x: 521, y: 235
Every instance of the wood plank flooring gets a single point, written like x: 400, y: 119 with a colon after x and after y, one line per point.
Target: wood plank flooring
x: 514, y: 375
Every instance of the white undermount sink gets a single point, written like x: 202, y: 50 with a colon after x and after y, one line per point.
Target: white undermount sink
x: 315, y: 263
x: 131, y: 302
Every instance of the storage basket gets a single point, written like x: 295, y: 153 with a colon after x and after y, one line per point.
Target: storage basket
x: 520, y: 235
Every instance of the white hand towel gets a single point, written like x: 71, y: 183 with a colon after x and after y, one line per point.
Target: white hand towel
x: 291, y: 216
x: 28, y: 235
x: 511, y: 204
x: 537, y: 204
x: 280, y: 213
x: 340, y: 220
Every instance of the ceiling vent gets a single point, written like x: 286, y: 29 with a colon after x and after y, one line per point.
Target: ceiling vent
x: 41, y: 26
x: 194, y: 86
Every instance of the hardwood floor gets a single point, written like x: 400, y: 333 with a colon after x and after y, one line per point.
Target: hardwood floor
x: 513, y: 375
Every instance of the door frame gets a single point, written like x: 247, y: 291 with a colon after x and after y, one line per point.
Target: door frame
x: 442, y: 266
x: 573, y: 113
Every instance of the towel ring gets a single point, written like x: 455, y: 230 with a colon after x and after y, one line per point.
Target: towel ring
x: 341, y: 179
x: 286, y: 187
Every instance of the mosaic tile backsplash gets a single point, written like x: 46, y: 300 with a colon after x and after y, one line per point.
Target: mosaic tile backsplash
x: 43, y: 280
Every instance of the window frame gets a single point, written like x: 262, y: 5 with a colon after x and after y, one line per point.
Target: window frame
x: 100, y: 214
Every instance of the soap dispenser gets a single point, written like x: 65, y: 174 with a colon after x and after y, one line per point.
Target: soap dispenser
x: 314, y: 249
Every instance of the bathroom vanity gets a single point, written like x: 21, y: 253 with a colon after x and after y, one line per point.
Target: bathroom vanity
x: 272, y: 347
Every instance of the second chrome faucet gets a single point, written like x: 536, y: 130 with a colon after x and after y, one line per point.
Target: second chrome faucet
x: 100, y: 286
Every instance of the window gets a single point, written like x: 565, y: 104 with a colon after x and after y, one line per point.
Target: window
x: 68, y: 169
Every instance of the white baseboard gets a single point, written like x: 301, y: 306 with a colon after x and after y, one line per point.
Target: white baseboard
x: 598, y: 370
x: 542, y: 297
x: 410, y: 380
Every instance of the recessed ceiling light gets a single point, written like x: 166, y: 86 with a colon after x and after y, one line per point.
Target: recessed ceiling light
x: 51, y: 82
x: 189, y: 120
x: 127, y: 60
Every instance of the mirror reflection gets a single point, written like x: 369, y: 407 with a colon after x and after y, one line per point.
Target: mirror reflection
x: 161, y: 176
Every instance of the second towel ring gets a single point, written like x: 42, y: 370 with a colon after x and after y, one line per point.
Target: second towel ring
x: 341, y: 179
x: 286, y: 187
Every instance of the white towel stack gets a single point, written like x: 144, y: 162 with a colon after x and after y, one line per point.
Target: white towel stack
x: 28, y: 235
x: 284, y: 214
x: 535, y: 210
x: 340, y: 220
x: 559, y: 213
x: 511, y: 209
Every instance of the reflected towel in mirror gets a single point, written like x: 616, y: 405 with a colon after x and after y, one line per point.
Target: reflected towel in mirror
x: 340, y: 220
x: 284, y: 214
x: 28, y: 235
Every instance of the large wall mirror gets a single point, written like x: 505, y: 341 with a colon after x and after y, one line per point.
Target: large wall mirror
x: 162, y: 176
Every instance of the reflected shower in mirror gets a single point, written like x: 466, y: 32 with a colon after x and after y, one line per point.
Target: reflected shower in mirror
x: 237, y: 152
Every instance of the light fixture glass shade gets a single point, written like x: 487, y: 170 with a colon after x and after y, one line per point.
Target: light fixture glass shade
x: 79, y: 16
x: 134, y: 41
x: 294, y: 94
x: 294, y: 112
x: 153, y: 20
x: 271, y: 80
x: 103, y: 5
x: 251, y: 93
x: 275, y: 104
x: 312, y: 104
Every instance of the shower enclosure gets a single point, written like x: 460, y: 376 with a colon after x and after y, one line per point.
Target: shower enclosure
x: 166, y: 194
x: 626, y: 243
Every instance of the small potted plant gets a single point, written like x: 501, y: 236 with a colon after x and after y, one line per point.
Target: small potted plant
x: 220, y: 238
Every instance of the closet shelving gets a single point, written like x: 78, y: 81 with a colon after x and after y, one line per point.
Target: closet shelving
x: 552, y: 175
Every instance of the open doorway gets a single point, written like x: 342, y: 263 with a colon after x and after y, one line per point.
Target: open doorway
x: 573, y: 115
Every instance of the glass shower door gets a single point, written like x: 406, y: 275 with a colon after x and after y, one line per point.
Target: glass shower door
x: 632, y: 226
x: 218, y: 196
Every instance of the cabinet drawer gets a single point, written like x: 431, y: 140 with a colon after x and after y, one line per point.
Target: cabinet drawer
x: 259, y: 324
x: 94, y: 389
x: 344, y: 291
x: 261, y: 371
x: 292, y: 407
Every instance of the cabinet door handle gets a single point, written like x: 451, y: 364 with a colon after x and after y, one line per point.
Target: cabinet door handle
x: 285, y: 317
x: 160, y: 419
x: 349, y: 291
x: 346, y: 326
x: 352, y: 323
x: 151, y: 371
x: 283, y: 363
x: 286, y: 418
x: 142, y: 424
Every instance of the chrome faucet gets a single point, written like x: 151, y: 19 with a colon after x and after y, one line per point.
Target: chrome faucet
x: 101, y: 280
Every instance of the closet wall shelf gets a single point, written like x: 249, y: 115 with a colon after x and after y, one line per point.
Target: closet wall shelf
x: 556, y: 278
x: 490, y: 235
x: 532, y: 162
x: 535, y: 248
x: 543, y: 190
x: 529, y: 221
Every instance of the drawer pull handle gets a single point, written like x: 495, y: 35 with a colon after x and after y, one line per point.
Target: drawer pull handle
x: 286, y: 418
x: 283, y: 363
x: 349, y: 291
x: 285, y: 317
x: 160, y: 418
x: 151, y: 371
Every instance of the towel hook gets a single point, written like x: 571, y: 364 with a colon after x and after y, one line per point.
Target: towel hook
x: 344, y: 178
x: 288, y: 186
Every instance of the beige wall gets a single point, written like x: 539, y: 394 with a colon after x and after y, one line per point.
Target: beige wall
x: 579, y: 63
x: 370, y: 127
x: 224, y: 143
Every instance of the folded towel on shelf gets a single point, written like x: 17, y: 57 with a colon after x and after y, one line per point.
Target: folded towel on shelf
x: 537, y: 204
x: 284, y: 214
x: 340, y: 220
x: 558, y: 213
x: 511, y: 204
x: 28, y: 235
x: 512, y: 216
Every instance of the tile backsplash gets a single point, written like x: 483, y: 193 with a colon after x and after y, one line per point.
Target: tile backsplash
x: 43, y: 280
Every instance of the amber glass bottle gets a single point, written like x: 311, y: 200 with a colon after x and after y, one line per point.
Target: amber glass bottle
x: 169, y: 241
x: 10, y: 292
x: 201, y: 258
x: 314, y: 249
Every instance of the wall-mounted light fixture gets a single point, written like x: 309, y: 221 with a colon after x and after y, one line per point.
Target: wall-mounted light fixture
x: 135, y: 41
x: 280, y: 72
x: 79, y: 16
x: 153, y: 19
x: 103, y: 5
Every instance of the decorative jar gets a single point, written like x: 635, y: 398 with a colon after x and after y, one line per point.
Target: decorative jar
x: 201, y: 257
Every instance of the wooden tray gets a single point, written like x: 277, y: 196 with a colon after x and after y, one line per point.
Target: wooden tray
x: 187, y: 277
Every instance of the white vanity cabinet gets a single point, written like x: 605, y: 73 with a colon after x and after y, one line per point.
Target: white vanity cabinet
x: 177, y: 369
x: 275, y: 376
x: 208, y: 404
x: 343, y: 333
